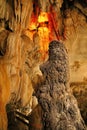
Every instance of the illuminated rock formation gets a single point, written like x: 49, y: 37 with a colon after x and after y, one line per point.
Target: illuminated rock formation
x: 4, y: 95
x: 60, y: 110
x: 24, y: 40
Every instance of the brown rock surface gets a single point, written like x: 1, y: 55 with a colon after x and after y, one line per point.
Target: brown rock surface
x: 4, y: 95
x: 20, y: 54
x: 60, y: 110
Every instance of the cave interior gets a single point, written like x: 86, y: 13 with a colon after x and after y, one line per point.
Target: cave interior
x: 27, y: 27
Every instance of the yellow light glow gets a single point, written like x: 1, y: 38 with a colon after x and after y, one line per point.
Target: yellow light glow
x: 43, y: 31
x: 44, y: 38
x: 32, y: 26
x: 41, y: 26
x: 43, y: 17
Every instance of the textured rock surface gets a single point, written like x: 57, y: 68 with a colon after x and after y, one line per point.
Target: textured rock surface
x: 17, y: 52
x: 80, y: 92
x: 20, y: 54
x: 75, y: 32
x: 60, y: 110
x: 15, y: 14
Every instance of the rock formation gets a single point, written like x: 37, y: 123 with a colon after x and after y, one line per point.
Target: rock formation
x: 4, y: 95
x: 60, y: 109
x: 20, y: 46
x: 14, y: 50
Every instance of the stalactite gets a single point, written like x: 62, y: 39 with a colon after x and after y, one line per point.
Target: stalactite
x: 22, y: 56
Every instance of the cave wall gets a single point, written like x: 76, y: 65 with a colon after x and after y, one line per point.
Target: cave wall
x: 15, y: 48
x: 15, y: 14
x: 75, y: 33
x: 76, y: 43
x: 21, y: 54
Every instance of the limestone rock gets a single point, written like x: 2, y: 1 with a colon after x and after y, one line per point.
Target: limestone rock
x: 60, y: 110
x: 22, y: 56
x: 15, y: 13
x: 4, y: 95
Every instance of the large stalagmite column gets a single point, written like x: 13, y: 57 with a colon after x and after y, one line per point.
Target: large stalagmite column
x: 60, y: 110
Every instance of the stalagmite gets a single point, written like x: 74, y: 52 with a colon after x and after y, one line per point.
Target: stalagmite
x: 24, y: 41
x: 60, y: 110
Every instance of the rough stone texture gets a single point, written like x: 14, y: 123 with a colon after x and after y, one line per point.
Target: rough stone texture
x: 17, y: 52
x: 79, y: 90
x: 60, y: 110
x: 20, y: 54
x: 22, y: 68
x: 75, y: 31
x: 35, y: 119
x: 15, y: 14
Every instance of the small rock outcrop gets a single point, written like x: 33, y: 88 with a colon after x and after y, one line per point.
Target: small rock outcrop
x: 60, y: 109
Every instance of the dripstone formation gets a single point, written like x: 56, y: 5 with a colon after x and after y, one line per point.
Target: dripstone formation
x: 60, y: 109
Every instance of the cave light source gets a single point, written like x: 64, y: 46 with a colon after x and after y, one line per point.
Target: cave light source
x: 43, y: 31
x: 44, y: 25
x: 41, y: 26
x: 43, y: 17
